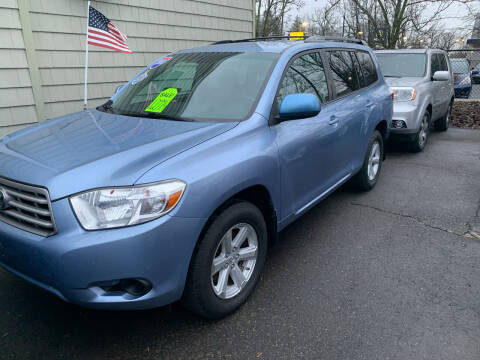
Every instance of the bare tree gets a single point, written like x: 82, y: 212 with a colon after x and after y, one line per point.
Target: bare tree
x: 272, y: 14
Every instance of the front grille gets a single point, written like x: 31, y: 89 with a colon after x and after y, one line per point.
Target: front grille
x: 26, y: 207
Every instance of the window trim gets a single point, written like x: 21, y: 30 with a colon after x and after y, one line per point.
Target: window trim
x: 335, y: 97
x: 272, y: 121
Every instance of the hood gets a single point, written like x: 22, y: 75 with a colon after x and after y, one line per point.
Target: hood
x: 93, y: 149
x: 457, y: 78
x: 403, y: 81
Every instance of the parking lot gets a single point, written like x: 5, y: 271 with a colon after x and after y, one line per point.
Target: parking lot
x: 389, y: 274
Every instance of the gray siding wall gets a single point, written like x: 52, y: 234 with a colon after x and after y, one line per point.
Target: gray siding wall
x: 17, y: 105
x: 153, y: 27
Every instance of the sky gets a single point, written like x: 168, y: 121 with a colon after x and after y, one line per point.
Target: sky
x: 455, y: 11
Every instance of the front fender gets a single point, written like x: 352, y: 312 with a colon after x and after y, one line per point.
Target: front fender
x: 223, y: 166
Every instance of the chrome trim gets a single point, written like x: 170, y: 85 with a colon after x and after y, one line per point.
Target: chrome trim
x: 28, y: 207
x: 323, y: 194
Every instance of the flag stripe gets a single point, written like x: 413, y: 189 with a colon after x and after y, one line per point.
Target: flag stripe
x: 98, y: 43
x: 115, y: 31
x: 99, y: 38
x: 116, y: 34
x: 106, y: 35
x: 102, y: 32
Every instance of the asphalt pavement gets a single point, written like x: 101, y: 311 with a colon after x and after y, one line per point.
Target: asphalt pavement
x: 389, y: 274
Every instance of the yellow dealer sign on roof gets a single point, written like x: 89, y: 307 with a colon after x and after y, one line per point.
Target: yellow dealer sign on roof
x: 296, y: 35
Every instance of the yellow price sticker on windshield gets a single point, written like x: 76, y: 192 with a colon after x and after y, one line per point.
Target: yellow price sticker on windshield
x: 162, y: 100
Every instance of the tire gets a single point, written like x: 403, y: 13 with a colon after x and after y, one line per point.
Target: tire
x: 204, y: 294
x: 362, y: 180
x: 443, y: 123
x: 420, y: 139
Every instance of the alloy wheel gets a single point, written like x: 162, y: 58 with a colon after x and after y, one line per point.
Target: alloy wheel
x: 374, y: 161
x: 234, y: 260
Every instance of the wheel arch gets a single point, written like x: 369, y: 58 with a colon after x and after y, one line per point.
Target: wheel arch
x: 259, y: 196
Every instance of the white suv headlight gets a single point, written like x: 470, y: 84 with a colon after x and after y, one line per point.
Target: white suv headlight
x: 123, y: 206
x: 401, y: 93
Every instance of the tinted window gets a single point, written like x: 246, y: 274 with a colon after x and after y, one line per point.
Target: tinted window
x: 402, y: 65
x: 343, y: 72
x: 221, y: 86
x: 435, y: 64
x: 443, y: 62
x: 367, y: 68
x: 305, y: 75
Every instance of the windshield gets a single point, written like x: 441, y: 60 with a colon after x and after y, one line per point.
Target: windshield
x: 197, y: 86
x: 459, y: 66
x: 402, y: 65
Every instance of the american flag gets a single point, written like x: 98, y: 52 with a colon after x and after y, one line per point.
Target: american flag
x: 101, y: 32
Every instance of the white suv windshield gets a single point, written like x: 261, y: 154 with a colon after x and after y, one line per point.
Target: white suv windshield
x: 402, y: 65
x: 206, y: 86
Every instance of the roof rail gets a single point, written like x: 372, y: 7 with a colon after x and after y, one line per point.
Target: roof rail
x: 334, y: 38
x: 275, y: 37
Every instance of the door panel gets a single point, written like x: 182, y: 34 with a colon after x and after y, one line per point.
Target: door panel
x: 306, y: 146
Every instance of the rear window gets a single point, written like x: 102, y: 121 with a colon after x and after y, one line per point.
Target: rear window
x: 402, y: 65
x: 343, y: 72
x: 367, y: 68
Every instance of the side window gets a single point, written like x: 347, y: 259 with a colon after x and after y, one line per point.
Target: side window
x: 435, y: 64
x: 443, y: 62
x: 305, y: 75
x: 367, y: 68
x: 343, y: 72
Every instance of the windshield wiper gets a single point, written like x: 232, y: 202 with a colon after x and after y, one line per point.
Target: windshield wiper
x: 394, y: 76
x: 159, y: 116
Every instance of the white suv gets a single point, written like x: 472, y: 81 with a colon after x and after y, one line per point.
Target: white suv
x: 421, y: 81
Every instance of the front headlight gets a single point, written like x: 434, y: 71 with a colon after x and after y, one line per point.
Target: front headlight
x: 123, y: 206
x: 465, y: 81
x: 401, y: 93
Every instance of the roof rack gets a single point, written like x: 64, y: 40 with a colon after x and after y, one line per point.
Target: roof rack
x: 275, y: 37
x: 307, y: 39
x: 334, y: 38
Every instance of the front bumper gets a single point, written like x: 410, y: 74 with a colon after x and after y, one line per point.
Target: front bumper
x: 72, y: 263
x: 408, y: 112
x: 463, y: 91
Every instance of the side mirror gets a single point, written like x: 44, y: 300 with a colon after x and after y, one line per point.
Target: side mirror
x: 475, y: 72
x: 299, y: 106
x: 441, y: 76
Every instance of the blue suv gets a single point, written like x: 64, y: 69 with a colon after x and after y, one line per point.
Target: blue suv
x: 174, y: 188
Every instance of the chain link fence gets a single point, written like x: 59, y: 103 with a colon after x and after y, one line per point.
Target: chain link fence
x: 466, y: 71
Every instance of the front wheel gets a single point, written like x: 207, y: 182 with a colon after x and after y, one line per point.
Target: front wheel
x: 367, y: 177
x: 228, y: 261
x: 443, y: 123
x: 420, y: 140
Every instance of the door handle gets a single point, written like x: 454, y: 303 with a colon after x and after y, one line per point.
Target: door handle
x: 369, y: 104
x: 333, y: 120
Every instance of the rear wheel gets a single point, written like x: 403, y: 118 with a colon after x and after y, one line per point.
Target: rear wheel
x: 443, y: 123
x: 420, y: 140
x: 367, y: 177
x: 228, y: 263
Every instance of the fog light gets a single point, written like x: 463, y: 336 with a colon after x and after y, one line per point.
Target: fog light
x: 398, y: 124
x: 135, y: 287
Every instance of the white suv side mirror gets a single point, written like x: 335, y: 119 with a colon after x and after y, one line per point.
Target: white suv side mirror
x: 441, y: 76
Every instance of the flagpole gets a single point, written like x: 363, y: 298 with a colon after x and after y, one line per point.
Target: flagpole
x: 86, y: 60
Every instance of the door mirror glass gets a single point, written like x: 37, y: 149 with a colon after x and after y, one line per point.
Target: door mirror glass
x: 299, y: 106
x: 441, y: 76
